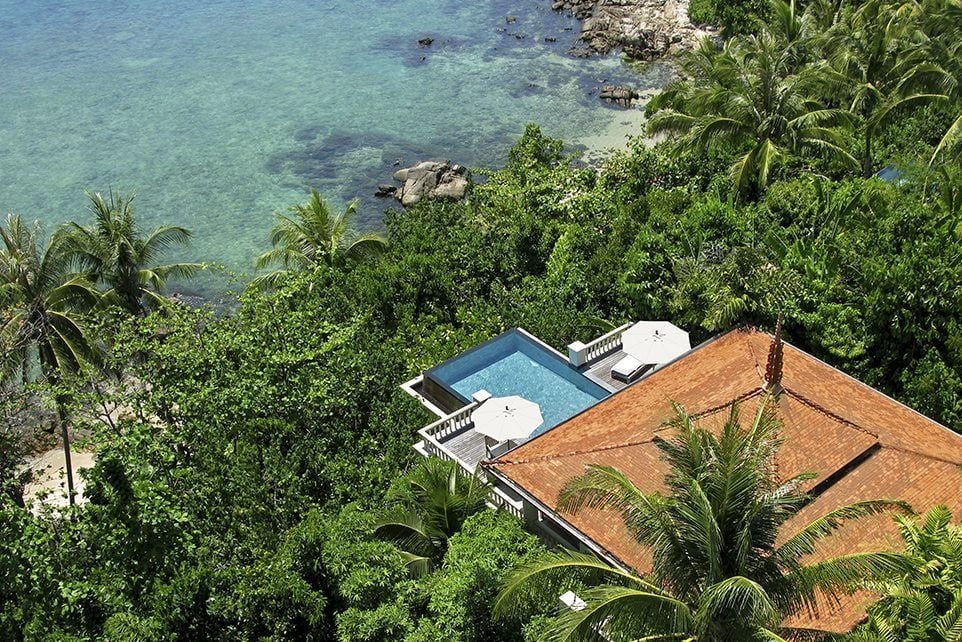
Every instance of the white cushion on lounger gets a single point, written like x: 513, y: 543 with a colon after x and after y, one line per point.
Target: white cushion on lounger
x: 625, y: 368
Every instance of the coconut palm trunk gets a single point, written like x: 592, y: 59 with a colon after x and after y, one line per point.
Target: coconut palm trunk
x: 867, y: 162
x: 48, y: 306
x: 63, y: 420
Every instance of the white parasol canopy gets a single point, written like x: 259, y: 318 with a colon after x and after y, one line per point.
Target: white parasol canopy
x: 503, y: 418
x: 655, y: 342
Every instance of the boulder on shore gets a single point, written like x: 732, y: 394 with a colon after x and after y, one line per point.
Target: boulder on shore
x: 622, y: 96
x: 431, y: 180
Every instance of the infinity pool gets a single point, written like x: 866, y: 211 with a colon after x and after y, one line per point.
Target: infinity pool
x: 515, y: 363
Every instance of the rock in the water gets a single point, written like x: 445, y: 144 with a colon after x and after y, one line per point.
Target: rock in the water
x: 431, y: 180
x: 511, y: 20
x: 385, y: 190
x: 426, y: 42
x: 619, y: 95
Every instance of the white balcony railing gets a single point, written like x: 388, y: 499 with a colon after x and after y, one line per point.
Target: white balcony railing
x: 449, y: 424
x: 581, y: 353
x: 499, y: 499
x: 435, y: 433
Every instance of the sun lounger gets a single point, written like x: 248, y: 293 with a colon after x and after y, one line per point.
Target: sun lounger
x: 628, y: 369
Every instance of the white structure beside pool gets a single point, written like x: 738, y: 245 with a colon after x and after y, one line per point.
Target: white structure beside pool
x: 516, y: 363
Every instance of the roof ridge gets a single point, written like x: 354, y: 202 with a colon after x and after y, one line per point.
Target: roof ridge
x: 751, y: 350
x: 825, y: 411
x: 871, y: 389
x: 754, y: 392
x: 917, y: 453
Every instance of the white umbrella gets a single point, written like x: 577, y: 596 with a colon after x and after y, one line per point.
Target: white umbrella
x: 655, y: 342
x: 503, y: 418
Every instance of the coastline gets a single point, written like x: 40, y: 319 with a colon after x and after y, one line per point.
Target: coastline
x: 613, y: 138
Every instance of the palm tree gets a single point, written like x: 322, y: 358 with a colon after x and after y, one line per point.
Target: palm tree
x: 719, y: 572
x: 43, y: 310
x: 942, y: 29
x: 431, y: 505
x: 113, y: 252
x: 925, y: 605
x: 948, y: 200
x: 752, y: 98
x: 794, y: 30
x: 312, y: 236
x: 873, y: 57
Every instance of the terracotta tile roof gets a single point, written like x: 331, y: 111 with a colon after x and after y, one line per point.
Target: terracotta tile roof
x: 861, y: 443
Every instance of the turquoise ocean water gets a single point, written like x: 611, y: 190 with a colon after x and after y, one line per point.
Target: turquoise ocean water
x: 219, y: 113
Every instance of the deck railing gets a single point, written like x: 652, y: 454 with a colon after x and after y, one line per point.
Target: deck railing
x: 499, y: 500
x: 434, y: 433
x: 581, y: 353
x: 434, y: 449
x: 449, y: 424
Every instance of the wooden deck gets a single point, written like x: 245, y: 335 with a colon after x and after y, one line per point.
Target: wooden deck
x: 467, y: 446
x: 599, y: 371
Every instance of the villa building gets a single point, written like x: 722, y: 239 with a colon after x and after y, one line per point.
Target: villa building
x: 861, y: 444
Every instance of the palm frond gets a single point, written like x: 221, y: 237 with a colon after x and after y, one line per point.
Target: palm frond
x: 629, y: 613
x: 405, y: 529
x: 549, y: 575
x: 848, y: 572
x: 949, y: 142
x: 271, y: 280
x: 164, y: 238
x: 738, y: 598
x: 805, y: 541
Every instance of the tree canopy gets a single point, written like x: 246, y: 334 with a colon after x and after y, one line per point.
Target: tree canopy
x: 245, y: 455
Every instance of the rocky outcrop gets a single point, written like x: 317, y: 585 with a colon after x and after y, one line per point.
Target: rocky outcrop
x: 431, y: 180
x: 643, y: 29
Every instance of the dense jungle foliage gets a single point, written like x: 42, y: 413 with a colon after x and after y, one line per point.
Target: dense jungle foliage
x: 245, y: 457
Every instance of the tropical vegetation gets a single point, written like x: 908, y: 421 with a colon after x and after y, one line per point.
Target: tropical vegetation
x: 430, y: 506
x: 925, y: 603
x: 45, y: 307
x: 816, y: 86
x: 246, y: 454
x: 313, y: 234
x: 114, y: 254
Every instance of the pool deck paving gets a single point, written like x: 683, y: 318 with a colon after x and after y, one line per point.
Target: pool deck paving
x: 599, y: 371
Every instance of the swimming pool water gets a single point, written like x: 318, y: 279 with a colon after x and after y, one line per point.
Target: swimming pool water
x: 513, y: 364
x: 519, y: 374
